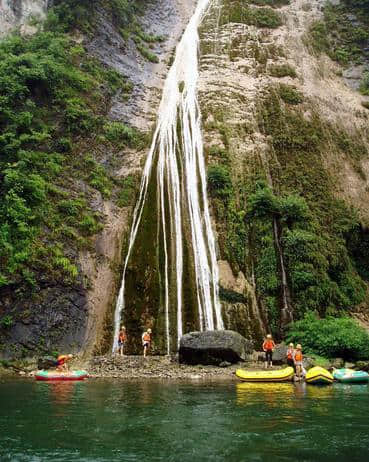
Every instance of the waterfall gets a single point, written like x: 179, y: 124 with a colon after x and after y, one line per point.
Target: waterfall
x: 176, y: 155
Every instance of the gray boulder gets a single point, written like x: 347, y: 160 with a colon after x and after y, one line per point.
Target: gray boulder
x: 280, y: 354
x: 337, y: 363
x: 362, y: 366
x: 214, y: 347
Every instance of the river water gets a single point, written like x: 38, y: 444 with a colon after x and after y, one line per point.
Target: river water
x: 106, y: 420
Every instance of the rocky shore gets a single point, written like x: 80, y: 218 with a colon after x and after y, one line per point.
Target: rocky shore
x: 159, y: 367
x: 137, y: 367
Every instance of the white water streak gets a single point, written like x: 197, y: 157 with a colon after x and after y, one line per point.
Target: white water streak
x: 179, y: 99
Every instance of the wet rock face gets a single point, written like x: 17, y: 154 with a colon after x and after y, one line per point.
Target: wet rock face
x: 14, y: 13
x: 213, y: 347
x: 56, y: 321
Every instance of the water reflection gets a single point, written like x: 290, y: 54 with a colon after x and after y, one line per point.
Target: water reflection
x: 273, y: 394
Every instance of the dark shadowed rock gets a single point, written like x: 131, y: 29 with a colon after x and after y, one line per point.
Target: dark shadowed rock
x: 362, y: 366
x: 46, y: 362
x: 213, y: 347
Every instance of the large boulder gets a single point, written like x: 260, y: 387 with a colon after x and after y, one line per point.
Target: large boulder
x: 280, y: 354
x: 214, y: 347
x: 362, y: 366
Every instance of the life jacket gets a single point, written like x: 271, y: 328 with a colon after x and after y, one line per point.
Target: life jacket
x: 146, y: 337
x: 62, y: 359
x: 298, y: 355
x: 122, y: 336
x: 290, y: 353
x: 268, y: 345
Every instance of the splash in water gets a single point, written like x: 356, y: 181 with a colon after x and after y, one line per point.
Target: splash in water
x: 176, y: 154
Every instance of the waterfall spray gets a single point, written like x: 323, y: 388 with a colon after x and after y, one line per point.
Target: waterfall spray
x: 177, y: 155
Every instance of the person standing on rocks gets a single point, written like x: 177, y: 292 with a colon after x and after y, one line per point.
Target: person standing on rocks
x: 291, y: 356
x: 268, y: 347
x: 146, y: 341
x: 298, y: 362
x: 122, y: 338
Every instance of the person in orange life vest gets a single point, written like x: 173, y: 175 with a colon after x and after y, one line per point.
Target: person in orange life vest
x: 298, y: 361
x: 146, y: 341
x: 291, y: 356
x: 122, y: 338
x: 62, y: 362
x: 268, y: 347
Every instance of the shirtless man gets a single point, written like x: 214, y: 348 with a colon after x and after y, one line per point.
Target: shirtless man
x: 146, y: 341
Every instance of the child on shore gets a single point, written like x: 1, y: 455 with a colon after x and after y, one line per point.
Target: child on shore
x: 298, y: 362
x: 146, y: 341
x: 268, y: 347
x: 291, y: 356
x: 122, y: 338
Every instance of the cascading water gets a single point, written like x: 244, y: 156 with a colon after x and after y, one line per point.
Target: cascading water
x: 176, y: 155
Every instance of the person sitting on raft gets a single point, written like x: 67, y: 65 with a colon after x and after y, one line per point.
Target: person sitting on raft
x: 146, y: 341
x: 122, y: 338
x: 62, y: 362
x: 268, y: 347
x: 298, y: 361
x: 291, y: 356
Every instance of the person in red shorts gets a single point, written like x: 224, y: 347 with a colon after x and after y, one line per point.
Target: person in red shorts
x: 146, y: 341
x: 62, y: 362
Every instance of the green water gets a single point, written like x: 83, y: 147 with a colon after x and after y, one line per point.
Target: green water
x: 151, y: 421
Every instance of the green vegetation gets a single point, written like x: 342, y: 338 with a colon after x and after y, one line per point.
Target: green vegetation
x: 128, y: 190
x: 282, y: 70
x: 66, y: 15
x: 6, y: 322
x: 331, y: 337
x: 317, y: 232
x: 146, y: 53
x: 272, y: 3
x: 239, y: 11
x: 289, y: 94
x: 53, y: 104
x: 343, y: 34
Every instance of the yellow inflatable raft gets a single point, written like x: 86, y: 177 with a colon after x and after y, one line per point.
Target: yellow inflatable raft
x: 319, y: 376
x: 265, y: 376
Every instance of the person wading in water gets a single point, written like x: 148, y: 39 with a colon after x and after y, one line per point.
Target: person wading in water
x: 122, y: 338
x: 268, y: 347
x: 146, y: 341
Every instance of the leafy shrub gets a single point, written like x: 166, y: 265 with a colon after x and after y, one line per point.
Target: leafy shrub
x: 239, y: 12
x: 318, y: 37
x: 330, y: 337
x: 219, y: 180
x: 117, y: 132
x: 272, y: 3
x: 89, y: 225
x: 146, y: 53
x: 127, y: 192
x: 7, y: 322
x: 266, y: 17
x: 289, y: 94
x: 282, y: 70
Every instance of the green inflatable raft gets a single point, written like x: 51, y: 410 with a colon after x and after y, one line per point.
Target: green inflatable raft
x: 350, y: 376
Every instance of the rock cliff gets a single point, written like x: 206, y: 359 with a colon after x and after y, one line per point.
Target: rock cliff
x: 286, y: 140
